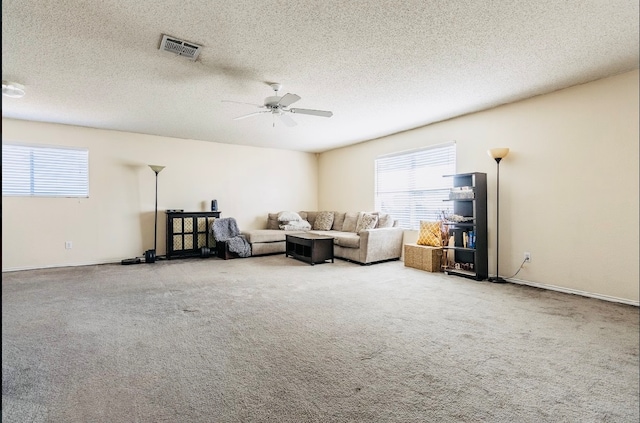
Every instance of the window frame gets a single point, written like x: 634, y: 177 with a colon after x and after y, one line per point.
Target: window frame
x: 406, y: 197
x: 49, y: 171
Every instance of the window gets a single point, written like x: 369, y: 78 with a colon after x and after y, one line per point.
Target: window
x: 36, y: 171
x: 410, y: 185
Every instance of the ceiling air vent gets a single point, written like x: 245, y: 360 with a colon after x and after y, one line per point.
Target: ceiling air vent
x: 180, y: 47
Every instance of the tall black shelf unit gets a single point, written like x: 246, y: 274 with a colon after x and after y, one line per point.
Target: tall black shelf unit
x: 475, y: 208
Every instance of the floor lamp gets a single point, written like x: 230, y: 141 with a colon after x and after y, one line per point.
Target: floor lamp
x: 150, y: 255
x: 498, y: 154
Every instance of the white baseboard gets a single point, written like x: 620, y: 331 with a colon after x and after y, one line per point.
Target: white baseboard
x: 54, y: 266
x: 576, y: 292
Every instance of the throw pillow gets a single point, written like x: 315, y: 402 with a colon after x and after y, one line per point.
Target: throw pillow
x: 287, y: 216
x: 430, y: 233
x: 350, y: 221
x: 324, y: 221
x: 366, y: 221
x: 360, y: 214
x: 296, y: 225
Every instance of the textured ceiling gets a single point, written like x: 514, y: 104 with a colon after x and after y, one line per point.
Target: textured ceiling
x: 380, y: 66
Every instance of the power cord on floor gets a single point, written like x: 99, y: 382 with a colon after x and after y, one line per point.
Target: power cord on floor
x: 519, y: 269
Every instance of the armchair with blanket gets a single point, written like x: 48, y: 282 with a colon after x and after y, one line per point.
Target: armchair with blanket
x: 226, y: 232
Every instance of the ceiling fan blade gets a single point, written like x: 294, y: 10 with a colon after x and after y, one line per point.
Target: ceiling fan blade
x: 251, y: 114
x: 322, y: 113
x: 287, y: 120
x: 288, y: 99
x: 240, y: 102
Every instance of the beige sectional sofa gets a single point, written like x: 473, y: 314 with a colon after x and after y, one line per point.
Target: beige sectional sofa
x: 361, y: 237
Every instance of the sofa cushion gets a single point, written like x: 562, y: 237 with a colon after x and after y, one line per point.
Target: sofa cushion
x: 261, y: 248
x: 338, y: 221
x: 384, y: 221
x: 309, y: 216
x: 350, y: 221
x: 272, y: 221
x: 323, y: 233
x: 346, y: 239
x: 366, y: 221
x: 341, y: 238
x: 324, y: 221
x: 266, y: 235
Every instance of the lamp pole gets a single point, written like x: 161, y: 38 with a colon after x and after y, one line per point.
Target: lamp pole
x: 498, y: 154
x: 497, y: 278
x: 150, y: 255
x: 155, y: 227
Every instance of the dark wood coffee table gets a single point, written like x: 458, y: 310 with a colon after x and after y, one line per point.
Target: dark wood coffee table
x: 310, y: 248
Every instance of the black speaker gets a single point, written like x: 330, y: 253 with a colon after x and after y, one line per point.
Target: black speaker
x: 150, y: 256
x: 214, y: 205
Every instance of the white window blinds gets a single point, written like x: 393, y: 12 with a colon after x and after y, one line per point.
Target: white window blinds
x: 39, y: 171
x: 410, y: 185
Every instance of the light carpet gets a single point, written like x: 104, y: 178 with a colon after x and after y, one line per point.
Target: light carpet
x: 272, y: 339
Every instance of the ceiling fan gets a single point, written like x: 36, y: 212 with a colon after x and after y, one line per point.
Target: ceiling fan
x: 279, y: 106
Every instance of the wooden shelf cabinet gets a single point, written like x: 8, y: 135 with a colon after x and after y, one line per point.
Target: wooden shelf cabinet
x: 469, y: 262
x: 188, y: 232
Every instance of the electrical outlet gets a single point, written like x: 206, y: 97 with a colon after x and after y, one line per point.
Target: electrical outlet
x: 68, y: 245
x: 527, y: 257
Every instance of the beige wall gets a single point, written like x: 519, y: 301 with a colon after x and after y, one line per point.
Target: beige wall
x: 116, y: 221
x: 568, y: 189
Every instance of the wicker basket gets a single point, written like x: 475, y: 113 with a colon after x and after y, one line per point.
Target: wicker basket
x: 423, y: 257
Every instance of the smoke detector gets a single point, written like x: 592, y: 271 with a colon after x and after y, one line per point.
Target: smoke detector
x: 12, y: 89
x: 180, y: 47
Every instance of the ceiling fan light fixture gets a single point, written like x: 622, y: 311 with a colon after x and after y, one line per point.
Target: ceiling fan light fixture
x: 276, y: 87
x: 277, y: 105
x: 12, y: 89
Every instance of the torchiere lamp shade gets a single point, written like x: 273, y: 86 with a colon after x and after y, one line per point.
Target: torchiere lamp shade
x: 156, y: 168
x: 498, y: 153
